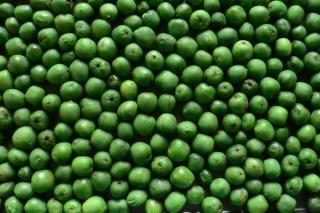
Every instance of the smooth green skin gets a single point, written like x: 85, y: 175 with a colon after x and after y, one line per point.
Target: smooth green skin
x: 192, y: 75
x: 223, y: 139
x: 7, y: 189
x: 136, y: 198
x: 119, y: 189
x: 182, y: 25
x: 303, y: 91
x: 72, y: 206
x: 13, y: 99
x: 6, y: 119
x: 24, y: 173
x: 257, y: 204
x: 236, y: 15
x: 94, y: 204
x: 90, y: 108
x: 42, y: 181
x: 220, y: 188
x: 238, y: 103
x: 207, y: 40
x: 202, y: 144
x: 34, y: 205
x: 237, y: 73
x: 62, y: 153
x: 217, y: 161
x: 306, y: 133
x: 94, y: 87
x: 102, y: 160
x: 235, y: 175
x: 254, y: 186
x: 178, y: 150
x: 264, y: 130
x: 144, y: 124
x: 199, y: 20
x: 219, y: 108
x: 246, y: 31
x: 195, y: 195
x: 6, y: 80
x: 161, y: 165
x: 166, y: 103
x: 72, y: 90
x: 186, y: 46
x: 166, y: 81
x: 227, y: 36
x: 272, y: 191
x: 118, y: 149
x: 204, y: 93
x: 236, y: 154
x: 225, y: 90
x: 313, y: 204
x: 181, y: 177
x: 290, y: 165
x: 300, y: 114
x: 174, y: 202
x: 153, y: 206
x: 286, y: 203
x: 159, y: 144
x: 110, y: 100
x: 69, y: 112
x: 24, y: 138
x: 100, y: 181
x: 118, y: 206
x: 272, y: 168
x: 17, y: 157
x: 293, y: 145
x: 38, y: 159
x: 222, y: 56
x: 256, y: 69
x: 81, y: 146
x: 82, y: 188
x: 159, y: 188
x: 248, y: 121
x: 310, y: 182
x: 211, y: 204
x: 166, y: 123
x: 231, y: 123
x: 84, y: 127
x: 54, y: 206
x: 239, y: 196
x: 202, y: 58
x: 253, y: 167
x: 205, y: 177
x: 293, y: 186
x: 186, y: 130
x: 127, y: 110
x: 125, y: 131
x: 213, y: 75
x: 82, y: 165
x: 141, y: 153
x: 63, y: 192
x: 308, y: 158
x: 139, y: 177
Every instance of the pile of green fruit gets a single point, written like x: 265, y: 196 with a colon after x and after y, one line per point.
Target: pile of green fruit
x: 159, y: 106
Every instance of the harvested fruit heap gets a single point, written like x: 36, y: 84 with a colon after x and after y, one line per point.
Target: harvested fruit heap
x: 152, y: 106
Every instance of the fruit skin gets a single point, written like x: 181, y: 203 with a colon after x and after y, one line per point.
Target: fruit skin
x: 286, y: 203
x: 211, y: 204
x: 42, y: 181
x: 175, y: 201
x: 94, y: 204
x: 257, y: 204
x: 181, y: 177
